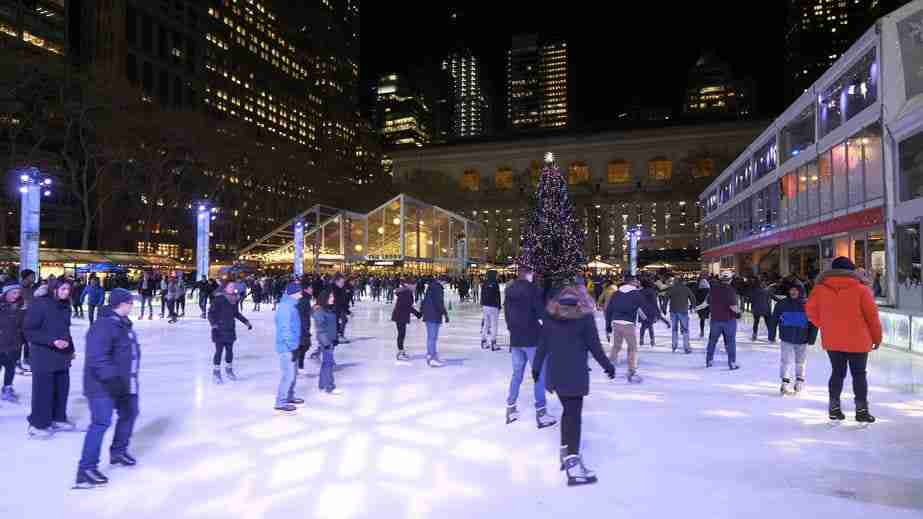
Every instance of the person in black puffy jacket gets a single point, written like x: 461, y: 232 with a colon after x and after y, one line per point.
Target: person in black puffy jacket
x: 222, y: 314
x: 403, y: 308
x: 304, y: 312
x: 761, y: 306
x: 11, y: 337
x: 110, y: 383
x: 568, y: 335
x: 490, y: 302
x: 47, y: 326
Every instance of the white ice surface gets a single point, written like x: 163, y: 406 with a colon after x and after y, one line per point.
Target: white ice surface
x: 418, y: 443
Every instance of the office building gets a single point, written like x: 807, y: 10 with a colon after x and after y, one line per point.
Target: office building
x: 537, y: 84
x: 402, y: 114
x: 714, y: 92
x: 471, y: 113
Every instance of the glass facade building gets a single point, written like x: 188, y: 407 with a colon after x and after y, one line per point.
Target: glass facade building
x: 402, y: 234
x: 837, y: 174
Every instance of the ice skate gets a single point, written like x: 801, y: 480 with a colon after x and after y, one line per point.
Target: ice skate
x: 229, y: 371
x: 836, y: 412
x: 40, y: 434
x: 286, y: 408
x: 733, y: 366
x: 494, y: 347
x: 296, y: 401
x: 124, y: 459
x: 577, y: 473
x: 403, y: 358
x: 863, y: 416
x: 216, y: 376
x: 434, y: 362
x: 512, y: 414
x: 799, y: 385
x: 9, y: 395
x: 23, y: 369
x: 484, y: 344
x: 562, y: 455
x: 633, y: 377
x: 786, y: 388
x: 333, y: 392
x: 63, y: 427
x: 90, y: 478
x: 543, y: 419
x: 708, y: 363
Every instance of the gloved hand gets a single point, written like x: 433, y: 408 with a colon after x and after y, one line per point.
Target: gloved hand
x: 446, y: 319
x: 610, y: 373
x: 249, y: 326
x: 116, y: 387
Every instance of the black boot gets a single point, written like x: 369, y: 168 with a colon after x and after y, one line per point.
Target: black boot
x: 862, y: 414
x: 90, y: 478
x: 123, y: 459
x: 836, y: 413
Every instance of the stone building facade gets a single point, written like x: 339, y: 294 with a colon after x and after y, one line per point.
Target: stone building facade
x: 650, y: 177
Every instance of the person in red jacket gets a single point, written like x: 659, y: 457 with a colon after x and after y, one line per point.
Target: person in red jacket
x: 844, y: 311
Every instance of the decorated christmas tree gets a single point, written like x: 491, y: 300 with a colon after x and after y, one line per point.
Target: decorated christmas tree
x: 553, y: 241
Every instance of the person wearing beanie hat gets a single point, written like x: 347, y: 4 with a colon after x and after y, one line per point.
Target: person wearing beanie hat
x: 844, y: 310
x: 11, y: 314
x: 288, y: 339
x: 222, y: 315
x: 325, y: 325
x: 304, y: 312
x: 110, y: 383
x: 27, y: 279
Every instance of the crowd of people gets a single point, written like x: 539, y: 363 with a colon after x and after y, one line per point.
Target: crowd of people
x: 552, y: 329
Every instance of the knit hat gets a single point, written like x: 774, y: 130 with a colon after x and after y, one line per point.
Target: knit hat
x: 26, y: 273
x: 119, y: 296
x: 292, y: 288
x: 12, y: 286
x: 727, y: 275
x: 843, y: 263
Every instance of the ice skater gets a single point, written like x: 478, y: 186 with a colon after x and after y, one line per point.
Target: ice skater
x: 304, y: 312
x: 403, y: 308
x: 325, y: 329
x: 433, y: 309
x: 490, y: 304
x: 566, y: 337
x: 222, y: 315
x: 625, y: 306
x: 11, y: 338
x: 288, y: 340
x: 725, y: 310
x: 796, y: 332
x: 110, y: 383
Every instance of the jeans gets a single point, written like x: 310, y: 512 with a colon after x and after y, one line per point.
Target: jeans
x: 521, y: 357
x: 401, y: 334
x: 8, y: 365
x: 571, y: 423
x: 857, y: 363
x: 793, y: 354
x: 171, y: 308
x: 489, y: 328
x: 228, y: 349
x: 149, y: 302
x: 287, y: 382
x: 647, y: 326
x: 325, y: 380
x: 703, y: 318
x: 181, y: 305
x: 92, y: 312
x: 432, y: 335
x: 624, y: 332
x: 342, y: 319
x: 727, y: 329
x: 680, y: 324
x: 756, y: 323
x: 49, y: 397
x: 100, y: 419
x: 78, y: 309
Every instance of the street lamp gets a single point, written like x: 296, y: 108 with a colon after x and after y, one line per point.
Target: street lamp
x: 32, y: 185
x: 632, y: 235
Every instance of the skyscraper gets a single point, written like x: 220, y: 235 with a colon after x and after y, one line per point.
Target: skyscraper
x: 402, y: 115
x: 714, y: 92
x: 471, y: 112
x: 818, y: 33
x: 537, y: 84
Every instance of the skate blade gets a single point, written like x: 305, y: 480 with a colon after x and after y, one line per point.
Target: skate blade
x: 511, y: 420
x: 577, y: 482
x: 545, y: 426
x: 402, y: 363
x: 88, y: 486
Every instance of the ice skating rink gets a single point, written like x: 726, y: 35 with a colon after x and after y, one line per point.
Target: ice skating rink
x: 412, y: 442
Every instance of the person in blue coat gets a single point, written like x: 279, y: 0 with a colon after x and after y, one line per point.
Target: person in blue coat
x: 796, y: 332
x: 95, y: 296
x: 433, y: 309
x: 288, y: 338
x: 110, y: 383
x: 325, y: 330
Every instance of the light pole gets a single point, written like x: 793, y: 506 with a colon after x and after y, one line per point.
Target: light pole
x: 633, y: 234
x: 31, y: 188
x: 299, y: 248
x: 204, y: 216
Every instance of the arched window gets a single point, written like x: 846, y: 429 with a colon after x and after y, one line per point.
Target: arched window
x: 578, y: 173
x: 504, y: 178
x: 619, y: 172
x: 703, y: 168
x: 660, y: 169
x: 471, y: 180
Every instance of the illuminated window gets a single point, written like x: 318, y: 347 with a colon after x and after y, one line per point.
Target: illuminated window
x: 578, y: 173
x: 703, y: 168
x: 504, y: 178
x: 619, y: 172
x: 471, y: 180
x: 660, y: 169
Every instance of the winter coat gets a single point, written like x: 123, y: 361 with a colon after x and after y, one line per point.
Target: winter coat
x: 325, y: 326
x: 172, y: 292
x: 46, y: 321
x: 94, y: 295
x: 433, y: 305
x: 651, y: 309
x: 721, y: 298
x: 288, y: 326
x: 146, y: 287
x: 624, y: 306
x: 11, y: 336
x: 792, y: 321
x: 760, y: 301
x: 522, y: 310
x: 113, y: 356
x: 304, y: 312
x: 403, y: 306
x: 221, y: 316
x: 77, y: 291
x: 566, y: 337
x: 701, y: 295
x: 490, y: 291
x: 680, y: 298
x: 844, y: 310
x: 340, y: 300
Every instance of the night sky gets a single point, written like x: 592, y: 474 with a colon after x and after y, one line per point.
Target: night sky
x: 639, y: 49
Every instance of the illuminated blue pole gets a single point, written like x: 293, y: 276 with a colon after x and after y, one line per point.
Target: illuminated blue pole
x: 633, y: 235
x: 203, y: 229
x: 31, y: 189
x: 299, y: 248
